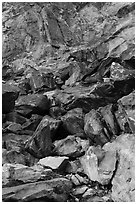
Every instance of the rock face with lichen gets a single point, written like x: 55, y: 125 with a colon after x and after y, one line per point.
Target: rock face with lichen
x: 68, y: 101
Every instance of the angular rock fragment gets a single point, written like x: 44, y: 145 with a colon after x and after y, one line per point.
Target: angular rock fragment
x: 107, y: 113
x: 101, y: 171
x: 57, y: 189
x: 55, y: 163
x: 73, y: 121
x: 9, y: 95
x: 53, y: 124
x: 94, y: 128
x: 32, y: 104
x: 118, y: 72
x: 40, y: 145
x: 17, y: 174
x: 122, y: 118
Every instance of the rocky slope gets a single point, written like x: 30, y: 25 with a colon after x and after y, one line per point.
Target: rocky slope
x: 68, y: 102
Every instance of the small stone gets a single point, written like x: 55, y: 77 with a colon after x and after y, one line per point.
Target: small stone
x: 75, y: 180
x: 79, y: 190
x: 89, y: 192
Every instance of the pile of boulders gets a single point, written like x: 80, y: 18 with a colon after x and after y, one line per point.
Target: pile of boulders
x: 68, y: 119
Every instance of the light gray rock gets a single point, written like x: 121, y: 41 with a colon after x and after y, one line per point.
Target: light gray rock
x: 123, y: 182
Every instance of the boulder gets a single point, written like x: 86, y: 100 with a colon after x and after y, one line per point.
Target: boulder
x: 123, y: 182
x: 71, y: 146
x: 9, y: 95
x: 40, y: 145
x: 95, y: 129
x: 56, y: 190
x: 32, y: 104
x: 99, y: 170
x: 53, y: 124
x: 73, y: 121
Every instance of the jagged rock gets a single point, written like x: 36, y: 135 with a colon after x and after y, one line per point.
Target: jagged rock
x: 73, y: 121
x: 110, y: 122
x: 18, y: 174
x: 32, y: 104
x: 128, y: 103
x: 123, y: 120
x: 15, y: 117
x: 123, y: 182
x: 95, y: 96
x: 32, y: 123
x: 40, y: 145
x: 9, y: 95
x: 55, y: 163
x: 40, y: 81
x: 71, y: 146
x: 101, y: 171
x: 94, y: 128
x: 53, y: 124
x: 56, y: 189
x: 118, y: 72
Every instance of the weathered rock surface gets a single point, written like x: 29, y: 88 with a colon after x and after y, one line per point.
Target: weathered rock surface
x: 56, y: 189
x: 101, y: 171
x: 123, y: 182
x: 19, y: 174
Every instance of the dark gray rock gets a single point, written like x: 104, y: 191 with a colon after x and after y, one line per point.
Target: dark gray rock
x: 73, y: 121
x: 32, y: 104
x: 9, y: 95
x: 40, y: 145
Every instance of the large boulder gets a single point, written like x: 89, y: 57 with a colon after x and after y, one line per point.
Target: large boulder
x: 123, y: 182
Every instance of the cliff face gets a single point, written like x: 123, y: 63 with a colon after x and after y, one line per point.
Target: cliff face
x: 31, y: 28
